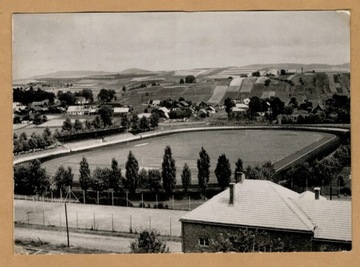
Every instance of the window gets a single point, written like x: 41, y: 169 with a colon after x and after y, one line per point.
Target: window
x: 204, y: 242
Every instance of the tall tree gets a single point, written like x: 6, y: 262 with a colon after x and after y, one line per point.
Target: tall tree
x: 97, y: 122
x: 85, y: 178
x: 168, y: 171
x: 143, y: 178
x: 144, y: 124
x: 229, y: 104
x: 238, y: 167
x: 78, y: 125
x: 67, y: 125
x: 186, y: 177
x: 116, y: 177
x: 148, y: 242
x: 255, y: 104
x: 203, y: 164
x: 190, y: 79
x: 59, y: 178
x: 38, y: 177
x: 135, y: 123
x: 100, y: 179
x: 223, y: 171
x: 132, y: 173
x: 154, y: 120
x: 267, y: 171
x: 125, y: 121
x: 106, y: 115
x: 103, y: 95
x: 30, y: 178
x: 154, y: 180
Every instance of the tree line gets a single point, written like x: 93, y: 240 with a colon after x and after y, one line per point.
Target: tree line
x: 102, y: 179
x: 23, y: 143
x: 319, y: 172
x: 32, y: 95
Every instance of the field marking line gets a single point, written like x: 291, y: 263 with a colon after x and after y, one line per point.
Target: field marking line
x: 143, y: 144
x: 305, y: 154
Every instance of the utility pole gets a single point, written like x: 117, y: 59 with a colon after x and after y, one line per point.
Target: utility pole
x: 67, y: 227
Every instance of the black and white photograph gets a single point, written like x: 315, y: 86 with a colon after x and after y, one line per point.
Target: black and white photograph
x: 181, y: 132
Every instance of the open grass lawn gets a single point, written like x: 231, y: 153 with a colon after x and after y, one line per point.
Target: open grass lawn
x: 252, y: 146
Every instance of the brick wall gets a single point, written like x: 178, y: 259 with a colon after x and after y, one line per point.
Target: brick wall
x: 193, y: 232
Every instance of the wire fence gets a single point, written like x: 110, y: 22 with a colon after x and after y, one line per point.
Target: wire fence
x: 98, y: 217
x: 111, y: 198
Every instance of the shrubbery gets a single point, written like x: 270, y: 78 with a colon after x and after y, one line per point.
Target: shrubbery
x: 22, y: 143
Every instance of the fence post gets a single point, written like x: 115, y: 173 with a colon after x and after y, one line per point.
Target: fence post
x: 112, y: 198
x: 173, y: 202
x: 97, y: 195
x: 130, y: 224
x: 142, y: 201
x: 84, y: 196
x: 112, y: 222
x: 170, y: 227
x: 52, y: 196
x: 60, y: 194
x: 189, y: 203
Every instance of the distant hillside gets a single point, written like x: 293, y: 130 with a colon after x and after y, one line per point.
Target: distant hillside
x: 70, y: 74
x: 136, y: 71
x: 306, y: 67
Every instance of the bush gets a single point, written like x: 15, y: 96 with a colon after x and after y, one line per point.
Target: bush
x: 345, y: 191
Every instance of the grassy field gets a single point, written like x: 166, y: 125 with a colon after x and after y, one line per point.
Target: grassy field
x: 99, y: 217
x: 252, y: 146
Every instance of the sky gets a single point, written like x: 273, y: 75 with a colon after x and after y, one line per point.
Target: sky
x: 45, y: 43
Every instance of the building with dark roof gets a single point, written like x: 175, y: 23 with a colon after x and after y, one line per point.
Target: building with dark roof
x: 307, y: 221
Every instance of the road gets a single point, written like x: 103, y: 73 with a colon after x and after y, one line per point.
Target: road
x: 111, y: 244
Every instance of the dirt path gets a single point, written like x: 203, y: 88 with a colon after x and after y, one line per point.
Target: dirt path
x: 111, y: 244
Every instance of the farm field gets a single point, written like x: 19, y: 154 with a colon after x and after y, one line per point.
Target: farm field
x: 252, y: 146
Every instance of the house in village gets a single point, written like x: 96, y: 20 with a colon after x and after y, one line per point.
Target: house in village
x: 119, y: 111
x: 80, y: 100
x: 203, y: 105
x: 211, y: 110
x: 146, y: 115
x: 81, y: 110
x: 242, y: 106
x: 44, y: 103
x: 163, y: 112
x: 304, y: 222
x: 154, y: 103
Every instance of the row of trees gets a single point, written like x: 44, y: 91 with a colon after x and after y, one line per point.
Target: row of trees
x: 319, y: 172
x: 69, y: 98
x: 103, y: 120
x: 106, y: 178
x: 137, y: 124
x: 23, y: 143
x: 31, y: 95
x: 106, y: 95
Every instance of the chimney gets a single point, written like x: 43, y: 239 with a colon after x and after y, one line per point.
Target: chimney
x: 317, y: 193
x: 232, y: 194
x: 239, y: 177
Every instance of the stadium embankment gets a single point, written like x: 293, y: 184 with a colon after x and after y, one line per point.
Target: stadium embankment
x: 308, y: 153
